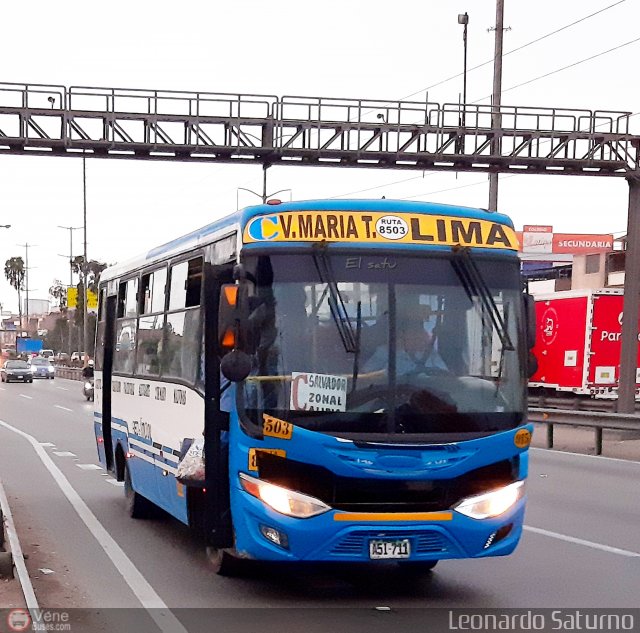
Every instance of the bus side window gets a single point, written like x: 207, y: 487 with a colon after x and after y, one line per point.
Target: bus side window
x: 125, y: 355
x: 186, y: 284
x: 181, y: 351
x: 131, y: 299
x: 183, y: 331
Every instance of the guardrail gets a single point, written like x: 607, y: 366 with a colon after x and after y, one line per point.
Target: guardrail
x: 575, y: 403
x: 69, y: 373
x: 591, y: 419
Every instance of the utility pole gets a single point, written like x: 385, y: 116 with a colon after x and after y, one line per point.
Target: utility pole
x: 85, y: 264
x: 496, y: 118
x: 71, y: 229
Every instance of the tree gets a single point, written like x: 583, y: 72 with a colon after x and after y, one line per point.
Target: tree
x: 15, y: 272
x: 93, y: 271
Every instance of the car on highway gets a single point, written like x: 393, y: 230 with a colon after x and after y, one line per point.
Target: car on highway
x: 41, y: 367
x: 61, y: 358
x: 77, y: 359
x: 17, y: 370
x: 47, y: 353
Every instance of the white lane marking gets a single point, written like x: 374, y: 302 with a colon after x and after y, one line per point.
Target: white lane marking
x: 57, y: 406
x: 64, y: 454
x: 2, y: 389
x: 569, y: 454
x: 89, y: 466
x: 145, y: 593
x: 580, y: 541
x: 47, y: 444
x: 27, y: 397
x: 62, y: 388
x: 115, y: 482
x: 18, y: 557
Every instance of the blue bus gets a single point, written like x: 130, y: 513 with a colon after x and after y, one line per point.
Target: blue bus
x: 354, y: 370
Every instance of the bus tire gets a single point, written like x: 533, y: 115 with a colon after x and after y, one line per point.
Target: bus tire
x: 224, y: 563
x: 138, y: 507
x: 417, y: 567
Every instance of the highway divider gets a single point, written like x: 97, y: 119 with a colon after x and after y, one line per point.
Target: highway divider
x: 70, y: 373
x: 597, y: 420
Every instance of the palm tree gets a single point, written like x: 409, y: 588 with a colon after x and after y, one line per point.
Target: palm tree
x: 15, y: 272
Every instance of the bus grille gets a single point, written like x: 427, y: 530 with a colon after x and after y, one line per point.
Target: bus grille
x: 355, y: 543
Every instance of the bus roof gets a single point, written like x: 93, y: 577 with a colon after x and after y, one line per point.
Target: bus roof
x: 239, y: 219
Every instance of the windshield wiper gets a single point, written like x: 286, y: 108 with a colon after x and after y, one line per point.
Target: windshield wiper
x: 474, y: 285
x: 336, y: 303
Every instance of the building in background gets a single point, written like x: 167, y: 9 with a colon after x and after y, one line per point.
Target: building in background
x: 570, y: 261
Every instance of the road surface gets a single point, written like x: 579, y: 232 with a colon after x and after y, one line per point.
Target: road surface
x: 581, y: 548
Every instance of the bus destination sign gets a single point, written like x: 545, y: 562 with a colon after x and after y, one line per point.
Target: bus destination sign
x: 441, y: 230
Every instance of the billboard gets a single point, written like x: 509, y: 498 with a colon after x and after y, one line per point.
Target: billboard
x: 542, y: 240
x: 72, y: 299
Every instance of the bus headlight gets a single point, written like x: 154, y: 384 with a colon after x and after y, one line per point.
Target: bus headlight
x: 491, y: 504
x: 289, y: 502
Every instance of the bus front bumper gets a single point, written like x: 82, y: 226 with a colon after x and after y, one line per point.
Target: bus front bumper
x: 328, y: 537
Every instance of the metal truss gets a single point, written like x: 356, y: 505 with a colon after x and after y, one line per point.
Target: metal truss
x: 270, y: 130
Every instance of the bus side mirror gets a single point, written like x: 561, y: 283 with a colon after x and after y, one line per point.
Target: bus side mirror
x: 530, y: 320
x: 236, y: 365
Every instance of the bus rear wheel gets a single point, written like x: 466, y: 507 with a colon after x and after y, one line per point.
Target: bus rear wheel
x: 138, y: 507
x: 225, y: 563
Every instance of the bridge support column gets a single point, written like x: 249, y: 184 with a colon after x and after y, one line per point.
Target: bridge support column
x: 629, y: 350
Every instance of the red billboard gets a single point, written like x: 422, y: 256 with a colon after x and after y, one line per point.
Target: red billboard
x: 542, y: 239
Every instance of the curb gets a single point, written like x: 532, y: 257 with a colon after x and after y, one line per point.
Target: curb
x: 16, y: 552
x: 6, y: 557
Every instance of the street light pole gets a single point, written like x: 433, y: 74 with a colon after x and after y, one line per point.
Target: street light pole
x: 496, y: 118
x: 71, y: 229
x: 85, y: 264
x: 463, y: 18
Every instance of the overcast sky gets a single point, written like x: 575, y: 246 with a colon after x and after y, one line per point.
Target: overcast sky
x: 334, y: 48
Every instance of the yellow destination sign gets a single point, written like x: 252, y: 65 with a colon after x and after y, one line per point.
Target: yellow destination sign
x: 72, y: 299
x: 390, y: 228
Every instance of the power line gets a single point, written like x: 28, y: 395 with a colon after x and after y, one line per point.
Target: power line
x: 553, y: 72
x: 519, y: 48
x: 388, y: 184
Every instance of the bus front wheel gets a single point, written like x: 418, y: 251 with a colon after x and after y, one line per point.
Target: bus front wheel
x: 138, y: 507
x: 224, y: 563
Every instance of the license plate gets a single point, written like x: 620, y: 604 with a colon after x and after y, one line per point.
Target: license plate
x: 397, y: 548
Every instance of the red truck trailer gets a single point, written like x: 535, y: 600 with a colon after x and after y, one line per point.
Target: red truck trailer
x: 578, y: 342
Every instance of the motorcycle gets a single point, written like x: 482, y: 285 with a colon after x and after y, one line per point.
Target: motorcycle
x: 87, y: 389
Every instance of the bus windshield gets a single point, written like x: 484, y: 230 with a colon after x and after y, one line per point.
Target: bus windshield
x: 362, y: 345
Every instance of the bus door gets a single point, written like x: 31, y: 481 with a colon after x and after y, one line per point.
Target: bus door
x: 216, y: 506
x: 107, y: 367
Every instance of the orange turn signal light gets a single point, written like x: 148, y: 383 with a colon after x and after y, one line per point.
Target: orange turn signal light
x: 231, y: 294
x: 229, y: 339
